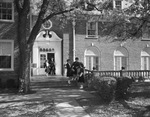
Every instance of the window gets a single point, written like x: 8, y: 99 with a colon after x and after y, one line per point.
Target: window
x: 118, y: 4
x: 146, y: 32
x: 42, y: 60
x: 121, y: 57
x: 92, y: 30
x: 92, y: 61
x: 145, y: 62
x: 145, y: 58
x: 6, y: 10
x: 6, y: 55
x: 121, y: 61
x: 92, y: 58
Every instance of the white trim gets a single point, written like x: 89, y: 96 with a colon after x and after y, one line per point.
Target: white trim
x: 114, y: 4
x: 12, y: 55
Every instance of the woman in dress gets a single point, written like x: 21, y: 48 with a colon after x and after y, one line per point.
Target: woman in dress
x: 46, y: 66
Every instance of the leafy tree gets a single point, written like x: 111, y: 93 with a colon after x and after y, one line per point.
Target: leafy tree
x: 119, y: 24
x: 131, y: 22
x: 45, y: 10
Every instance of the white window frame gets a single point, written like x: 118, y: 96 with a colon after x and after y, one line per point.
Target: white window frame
x: 145, y: 63
x: 116, y: 5
x: 12, y: 56
x: 12, y: 2
x: 120, y: 58
x: 42, y: 53
x: 92, y: 61
x: 96, y: 30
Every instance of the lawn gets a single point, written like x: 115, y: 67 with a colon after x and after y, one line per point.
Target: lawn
x: 137, y: 105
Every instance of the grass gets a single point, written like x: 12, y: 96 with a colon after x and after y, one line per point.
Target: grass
x: 137, y: 105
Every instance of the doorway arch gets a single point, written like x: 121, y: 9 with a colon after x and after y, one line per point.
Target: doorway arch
x: 47, y: 47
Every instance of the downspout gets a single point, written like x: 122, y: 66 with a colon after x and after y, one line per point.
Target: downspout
x: 31, y: 59
x: 74, y: 38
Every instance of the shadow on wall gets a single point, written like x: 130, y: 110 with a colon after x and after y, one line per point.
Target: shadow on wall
x: 9, y: 84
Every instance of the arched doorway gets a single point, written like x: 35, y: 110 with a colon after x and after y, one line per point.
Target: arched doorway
x: 92, y: 58
x: 46, y: 47
x: 121, y: 58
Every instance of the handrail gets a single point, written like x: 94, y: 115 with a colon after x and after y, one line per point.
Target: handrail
x: 132, y: 73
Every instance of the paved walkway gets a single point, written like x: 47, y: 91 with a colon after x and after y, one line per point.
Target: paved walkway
x: 64, y: 97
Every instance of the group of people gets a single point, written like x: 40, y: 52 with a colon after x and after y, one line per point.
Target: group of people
x: 75, y: 71
x: 49, y: 67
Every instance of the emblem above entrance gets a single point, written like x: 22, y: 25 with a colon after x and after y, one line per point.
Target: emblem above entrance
x: 47, y: 24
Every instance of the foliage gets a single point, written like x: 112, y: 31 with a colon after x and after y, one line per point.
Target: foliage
x: 110, y: 87
x: 122, y: 87
x: 125, y: 24
x: 104, y: 85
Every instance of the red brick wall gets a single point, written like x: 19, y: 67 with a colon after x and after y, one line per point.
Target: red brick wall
x: 8, y: 31
x: 106, y: 48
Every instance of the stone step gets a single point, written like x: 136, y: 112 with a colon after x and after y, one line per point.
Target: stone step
x: 52, y: 84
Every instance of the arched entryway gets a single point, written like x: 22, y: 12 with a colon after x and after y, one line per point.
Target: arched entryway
x: 92, y: 58
x: 46, y: 47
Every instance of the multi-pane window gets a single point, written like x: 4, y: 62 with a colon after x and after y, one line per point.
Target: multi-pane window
x: 145, y: 62
x: 118, y: 4
x: 6, y: 10
x: 92, y: 61
x: 6, y: 55
x: 92, y: 29
x: 146, y: 32
x: 121, y: 61
x: 42, y: 60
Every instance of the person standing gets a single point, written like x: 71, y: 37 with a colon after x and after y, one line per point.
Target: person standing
x: 76, y: 68
x: 81, y: 76
x: 69, y: 73
x: 46, y: 66
x: 52, y: 66
x: 75, y: 65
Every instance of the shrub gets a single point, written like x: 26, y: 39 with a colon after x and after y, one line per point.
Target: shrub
x: 110, y: 87
x: 105, y: 87
x: 122, y: 87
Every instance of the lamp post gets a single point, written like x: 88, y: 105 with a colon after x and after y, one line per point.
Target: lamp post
x: 74, y: 41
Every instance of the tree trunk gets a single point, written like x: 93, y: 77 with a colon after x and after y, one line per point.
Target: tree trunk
x: 24, y: 49
x: 24, y: 70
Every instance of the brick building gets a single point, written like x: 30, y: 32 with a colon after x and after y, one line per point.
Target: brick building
x: 79, y: 38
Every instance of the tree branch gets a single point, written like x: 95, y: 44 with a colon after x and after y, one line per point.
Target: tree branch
x: 26, y: 6
x: 38, y: 23
x: 18, y: 6
x: 58, y: 13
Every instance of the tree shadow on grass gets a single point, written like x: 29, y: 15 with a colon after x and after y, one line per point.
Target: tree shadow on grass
x: 30, y: 108
x: 145, y: 94
x: 133, y: 107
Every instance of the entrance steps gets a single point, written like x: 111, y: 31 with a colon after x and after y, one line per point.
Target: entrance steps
x: 50, y: 82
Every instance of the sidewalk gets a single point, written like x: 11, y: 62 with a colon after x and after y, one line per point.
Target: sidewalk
x: 65, y: 98
x: 51, y: 101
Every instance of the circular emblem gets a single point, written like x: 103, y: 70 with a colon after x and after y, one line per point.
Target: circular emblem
x: 47, y: 24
